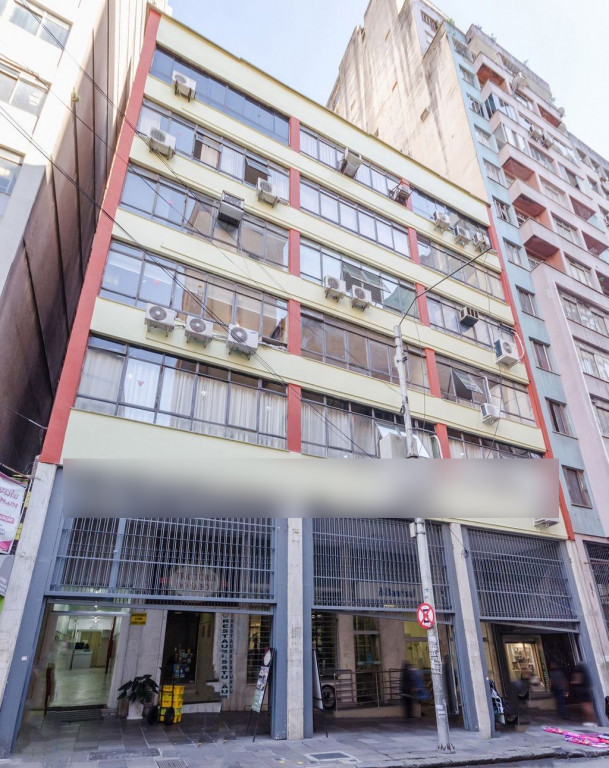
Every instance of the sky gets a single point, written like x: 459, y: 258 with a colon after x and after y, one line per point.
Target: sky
x: 301, y: 42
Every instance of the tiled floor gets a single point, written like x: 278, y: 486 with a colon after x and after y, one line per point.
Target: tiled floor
x: 81, y: 687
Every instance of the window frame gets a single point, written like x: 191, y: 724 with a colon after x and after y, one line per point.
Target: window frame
x: 578, y: 480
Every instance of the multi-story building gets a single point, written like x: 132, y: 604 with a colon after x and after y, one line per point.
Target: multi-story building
x: 464, y: 105
x: 65, y: 74
x: 240, y: 302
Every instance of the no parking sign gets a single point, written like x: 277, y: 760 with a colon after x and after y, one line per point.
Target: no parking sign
x: 426, y: 616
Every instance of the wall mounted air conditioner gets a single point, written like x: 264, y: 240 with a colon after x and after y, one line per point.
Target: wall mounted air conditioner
x: 400, y: 193
x: 462, y: 235
x: 231, y: 209
x: 547, y: 141
x: 490, y: 413
x: 161, y: 142
x: 480, y: 241
x: 506, y: 352
x: 334, y: 288
x: 160, y: 317
x: 241, y: 340
x: 441, y: 221
x: 350, y: 163
x: 468, y: 316
x: 536, y: 133
x: 267, y: 192
x: 199, y: 329
x: 606, y: 219
x: 360, y: 297
x: 545, y: 522
x: 185, y: 86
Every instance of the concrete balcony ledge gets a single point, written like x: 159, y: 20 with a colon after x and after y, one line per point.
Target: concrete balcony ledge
x: 538, y: 239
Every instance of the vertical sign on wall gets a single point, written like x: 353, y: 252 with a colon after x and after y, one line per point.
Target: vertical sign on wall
x: 11, y: 502
x: 226, y: 655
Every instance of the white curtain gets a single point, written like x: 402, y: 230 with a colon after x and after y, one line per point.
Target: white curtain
x: 210, y: 402
x: 242, y: 412
x: 231, y: 162
x: 101, y: 375
x: 176, y: 393
x: 273, y: 412
x: 139, y: 389
x: 313, y: 424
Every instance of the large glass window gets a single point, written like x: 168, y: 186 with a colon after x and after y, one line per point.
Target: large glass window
x: 37, y: 22
x: 585, y: 314
x: 593, y: 362
x: 136, y: 383
x: 19, y: 91
x: 576, y: 485
x: 466, y: 446
x: 427, y: 206
x: 446, y: 261
x: 444, y: 314
x: 10, y: 163
x: 222, y: 96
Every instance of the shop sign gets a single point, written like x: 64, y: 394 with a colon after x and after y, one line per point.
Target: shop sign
x: 263, y: 679
x: 226, y: 656
x: 139, y: 618
x: 11, y: 502
x: 191, y: 578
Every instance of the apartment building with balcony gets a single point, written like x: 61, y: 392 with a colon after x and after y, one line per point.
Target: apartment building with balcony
x: 477, y: 115
x: 239, y: 303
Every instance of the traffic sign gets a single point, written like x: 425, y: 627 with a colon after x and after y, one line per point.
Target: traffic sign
x: 426, y: 616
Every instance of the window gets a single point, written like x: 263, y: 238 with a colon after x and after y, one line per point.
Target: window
x: 350, y: 346
x: 137, y: 278
x: 18, y: 91
x: 542, y: 355
x: 504, y: 134
x: 427, y: 206
x: 9, y: 170
x: 565, y: 230
x: 466, y: 446
x: 222, y: 96
x: 462, y: 49
x: 197, y: 214
x: 138, y: 384
x: 527, y: 302
x: 494, y: 172
x: 576, y: 485
x: 347, y: 215
x: 585, y: 314
x: 475, y: 105
x: 468, y: 76
x: 494, y: 103
x: 559, y: 418
x: 568, y: 176
x: 579, y: 272
x: 514, y: 253
x: 503, y: 210
x: 324, y: 626
x: 553, y: 192
x: 541, y: 158
x: 258, y: 640
x: 534, y: 262
x: 601, y: 409
x: 432, y: 23
x: 39, y: 23
x: 483, y: 137
x: 389, y: 292
x: 444, y: 314
x: 593, y: 362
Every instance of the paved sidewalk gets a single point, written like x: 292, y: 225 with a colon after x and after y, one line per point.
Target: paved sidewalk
x: 219, y: 741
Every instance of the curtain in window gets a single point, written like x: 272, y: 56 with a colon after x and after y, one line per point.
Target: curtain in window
x: 101, y: 375
x: 327, y: 154
x: 210, y: 400
x: 242, y: 412
x: 313, y: 424
x: 273, y: 411
x: 176, y: 392
x: 141, y: 382
x: 231, y: 162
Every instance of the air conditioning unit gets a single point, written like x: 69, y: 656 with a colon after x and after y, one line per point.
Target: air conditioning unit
x: 334, y: 288
x: 561, y: 111
x: 441, y: 221
x: 545, y: 522
x: 536, y: 133
x: 547, y: 141
x: 506, y: 352
x: 360, y: 297
x: 267, y: 192
x: 603, y: 178
x: 241, y: 340
x: 606, y: 219
x: 468, y: 316
x: 519, y: 82
x: 490, y: 413
x: 400, y: 193
x: 185, y: 86
x: 199, y: 329
x: 231, y: 209
x: 350, y: 163
x: 480, y: 241
x: 462, y: 235
x: 161, y: 142
x: 160, y: 317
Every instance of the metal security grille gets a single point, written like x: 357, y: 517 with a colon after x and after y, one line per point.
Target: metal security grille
x: 368, y: 563
x: 598, y: 555
x: 520, y: 577
x: 187, y: 558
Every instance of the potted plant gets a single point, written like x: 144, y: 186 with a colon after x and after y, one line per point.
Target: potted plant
x: 138, y: 692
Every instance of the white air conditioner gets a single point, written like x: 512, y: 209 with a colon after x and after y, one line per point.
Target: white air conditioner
x: 400, y: 193
x: 606, y: 219
x: 360, y: 297
x: 519, y: 82
x: 267, y: 192
x: 545, y: 522
x: 480, y: 241
x: 334, y: 288
x: 231, y: 209
x: 547, y: 141
x: 506, y: 352
x: 441, y: 221
x: 490, y: 413
x: 185, y: 86
x: 536, y: 133
x: 199, y: 329
x: 160, y: 317
x: 241, y: 340
x: 462, y: 235
x: 350, y: 163
x: 468, y: 316
x: 161, y: 142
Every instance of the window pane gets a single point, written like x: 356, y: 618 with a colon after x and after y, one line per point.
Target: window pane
x: 366, y: 225
x: 156, y: 285
x: 139, y: 193
x: 247, y: 312
x: 310, y: 262
x: 232, y: 162
x: 220, y: 306
x: 274, y: 322
x: 252, y: 239
x: 25, y: 19
x: 335, y: 343
x: 312, y: 338
x: 101, y: 375
x: 309, y: 198
x: 140, y: 384
x: 276, y: 249
x: 54, y: 32
x: 176, y: 391
x: 7, y: 83
x: 329, y: 207
x: 122, y: 274
x: 242, y: 409
x: 28, y: 97
x: 348, y: 216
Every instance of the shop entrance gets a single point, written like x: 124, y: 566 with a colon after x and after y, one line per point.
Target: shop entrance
x: 188, y: 655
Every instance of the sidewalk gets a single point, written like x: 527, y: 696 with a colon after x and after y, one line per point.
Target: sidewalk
x: 219, y: 741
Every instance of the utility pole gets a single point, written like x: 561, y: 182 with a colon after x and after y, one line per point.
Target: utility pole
x: 433, y: 641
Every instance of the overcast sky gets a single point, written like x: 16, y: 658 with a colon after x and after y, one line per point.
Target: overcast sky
x: 300, y: 42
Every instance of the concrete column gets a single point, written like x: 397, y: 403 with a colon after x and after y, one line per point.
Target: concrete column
x: 295, y: 632
x: 475, y: 659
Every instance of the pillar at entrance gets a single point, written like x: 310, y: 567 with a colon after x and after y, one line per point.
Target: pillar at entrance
x: 295, y: 632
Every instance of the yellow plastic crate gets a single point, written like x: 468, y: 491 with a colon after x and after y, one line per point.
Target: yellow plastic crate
x: 168, y: 701
x: 178, y: 690
x: 177, y: 718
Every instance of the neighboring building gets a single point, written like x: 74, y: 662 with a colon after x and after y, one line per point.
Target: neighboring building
x: 244, y: 225
x: 478, y: 116
x: 65, y: 72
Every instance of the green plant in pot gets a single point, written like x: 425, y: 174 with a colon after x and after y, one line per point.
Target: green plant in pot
x: 138, y: 692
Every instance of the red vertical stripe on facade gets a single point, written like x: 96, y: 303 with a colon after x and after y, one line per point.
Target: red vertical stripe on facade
x: 294, y: 124
x: 413, y: 246
x: 294, y: 252
x: 77, y: 346
x: 294, y: 327
x: 442, y: 435
x: 432, y: 373
x: 294, y: 418
x: 535, y: 402
x: 422, y: 303
x: 294, y: 188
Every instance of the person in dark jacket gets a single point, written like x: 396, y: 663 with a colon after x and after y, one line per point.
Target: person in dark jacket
x: 581, y: 690
x: 559, y: 688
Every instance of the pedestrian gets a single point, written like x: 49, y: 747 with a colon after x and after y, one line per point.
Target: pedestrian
x: 406, y: 690
x: 581, y: 689
x: 559, y: 688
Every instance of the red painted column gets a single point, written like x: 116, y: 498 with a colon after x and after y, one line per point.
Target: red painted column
x: 294, y: 188
x: 442, y: 435
x: 432, y: 373
x: 532, y: 389
x: 294, y: 252
x: 413, y: 245
x: 77, y: 345
x: 294, y: 126
x: 422, y: 303
x: 294, y: 418
x: 294, y: 333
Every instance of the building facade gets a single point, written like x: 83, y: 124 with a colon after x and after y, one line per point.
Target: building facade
x: 239, y: 303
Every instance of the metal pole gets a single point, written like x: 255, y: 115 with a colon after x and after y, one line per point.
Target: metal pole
x: 433, y: 641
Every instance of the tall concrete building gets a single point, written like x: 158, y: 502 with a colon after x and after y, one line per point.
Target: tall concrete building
x: 240, y: 302
x: 65, y: 73
x: 480, y: 117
